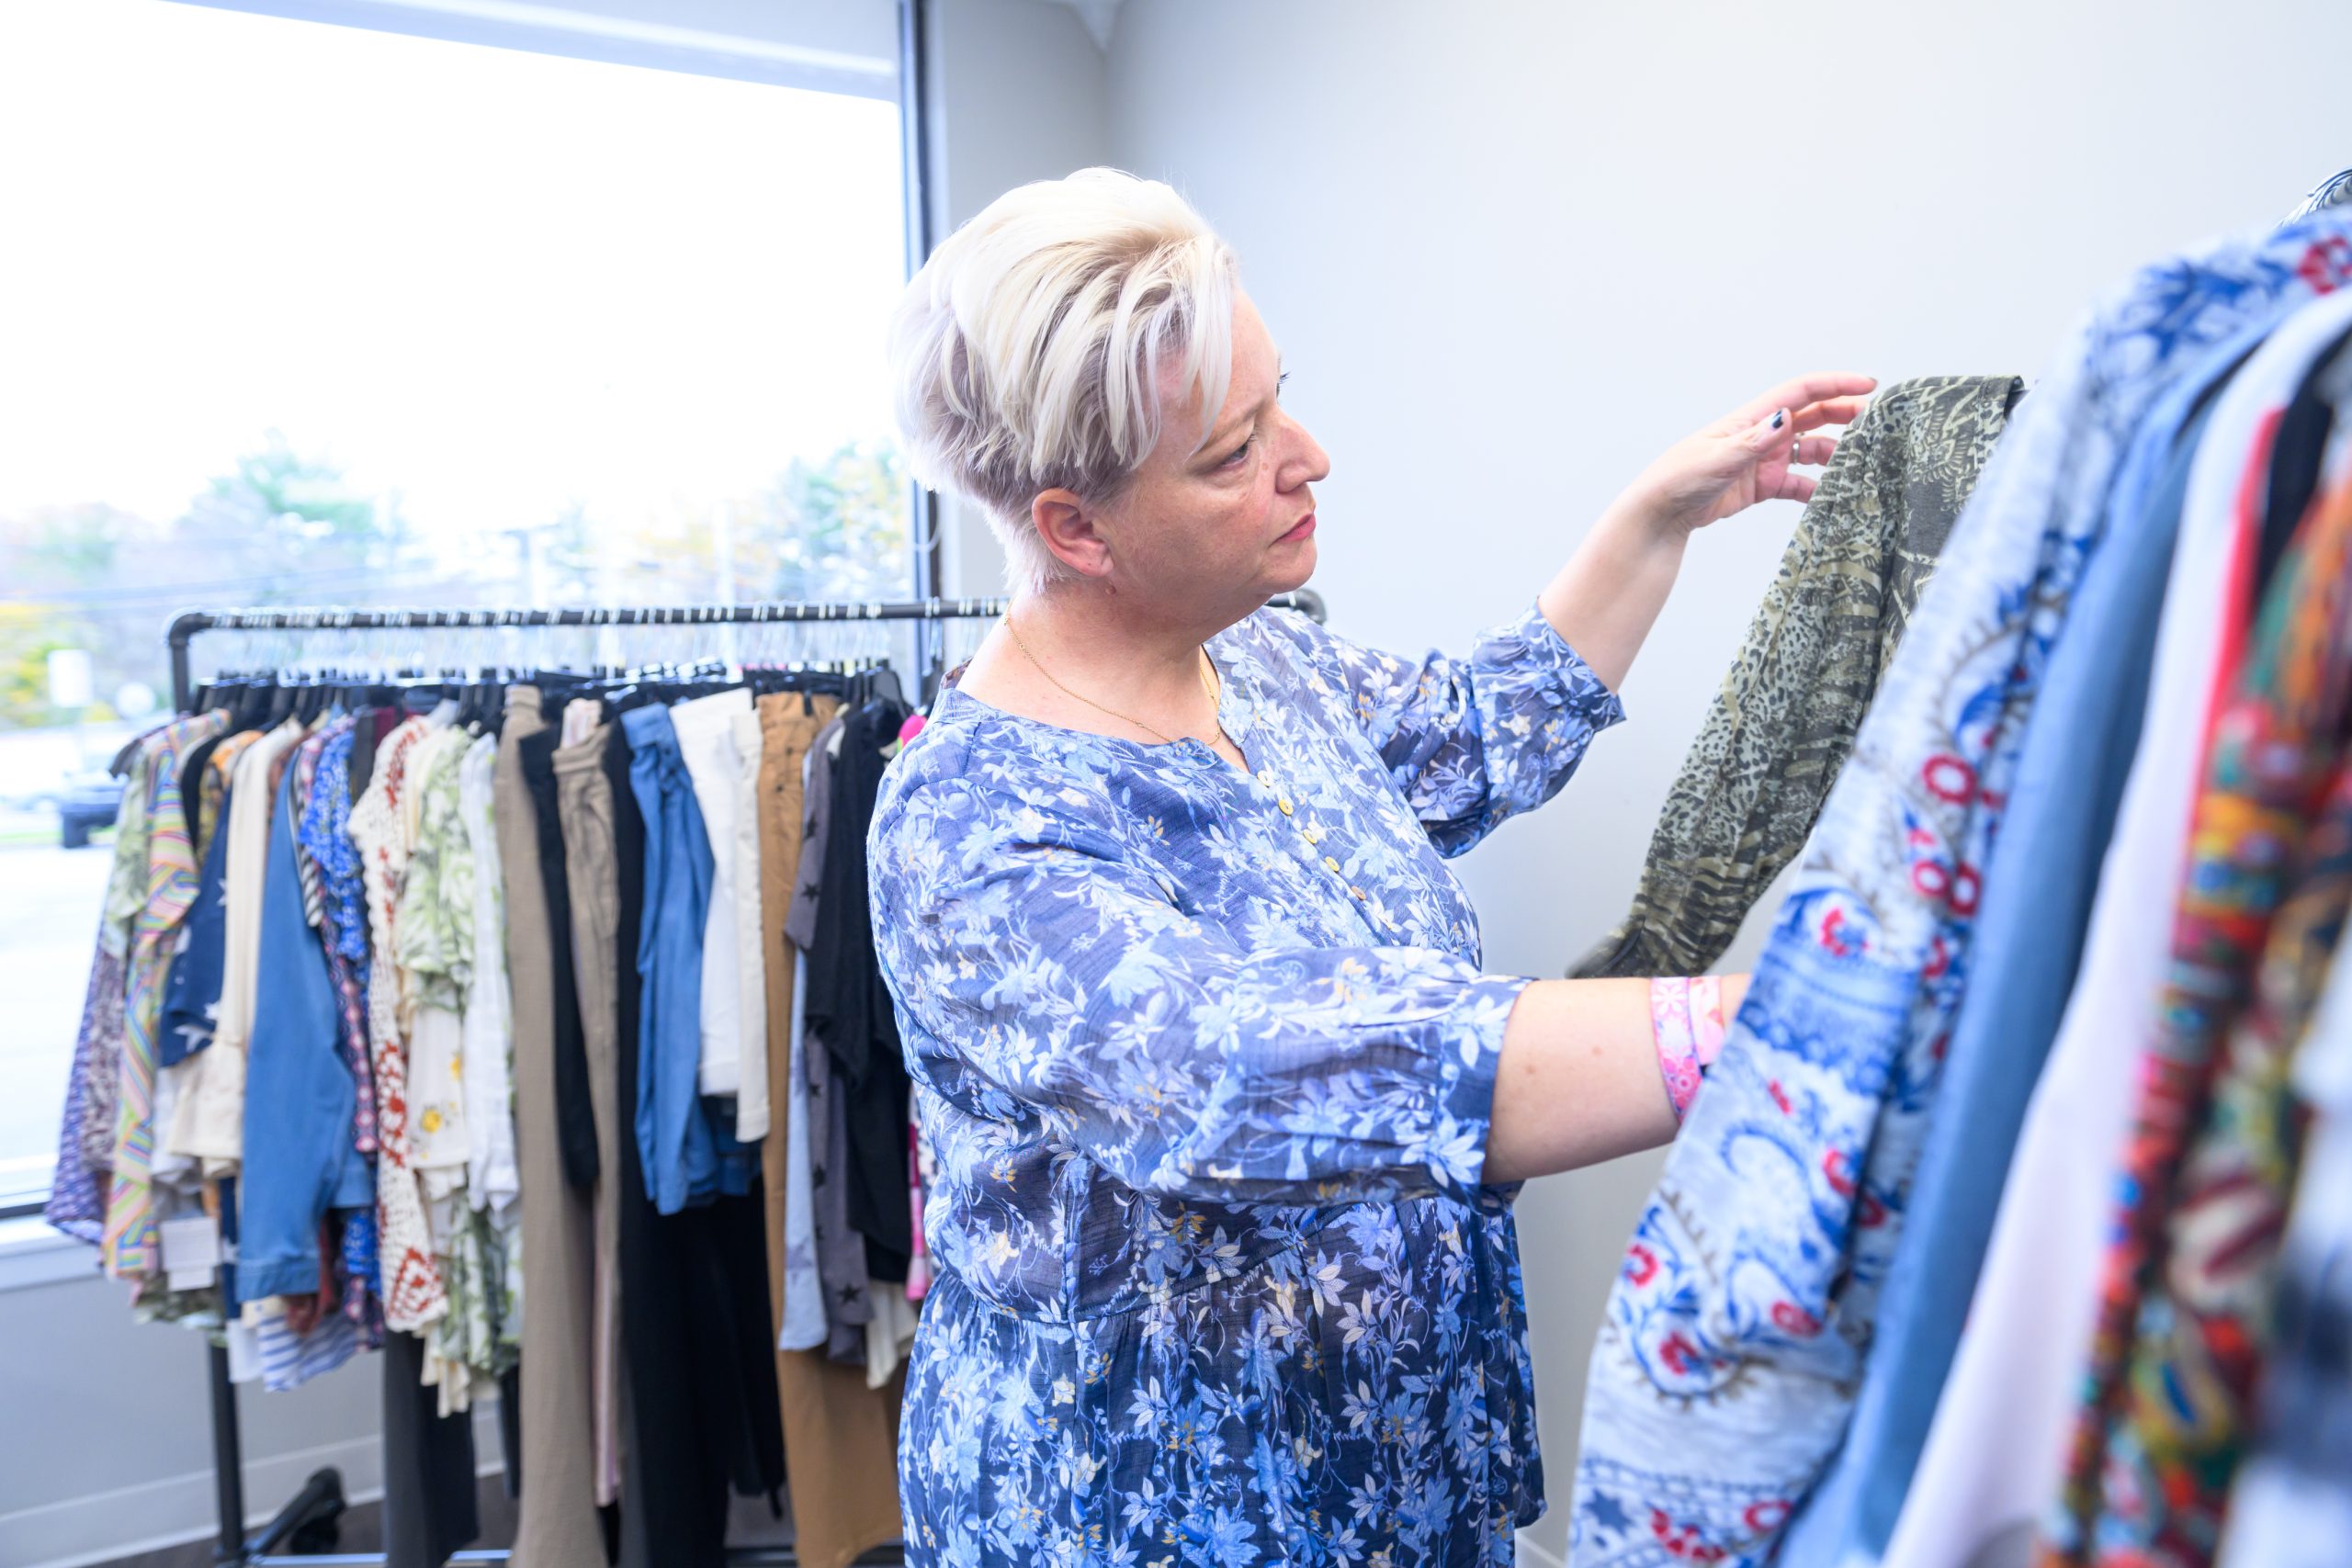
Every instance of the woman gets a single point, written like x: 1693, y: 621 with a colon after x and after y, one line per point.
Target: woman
x: 1227, y: 1119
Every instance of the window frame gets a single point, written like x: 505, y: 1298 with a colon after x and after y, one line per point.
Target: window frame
x: 855, y: 48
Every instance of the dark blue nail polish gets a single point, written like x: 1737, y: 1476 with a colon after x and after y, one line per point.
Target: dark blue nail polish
x: 1780, y: 419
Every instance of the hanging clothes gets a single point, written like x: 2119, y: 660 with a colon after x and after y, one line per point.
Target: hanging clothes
x: 129, y: 1245
x: 1994, y: 1448
x: 403, y: 1114
x: 2292, y: 1505
x: 1780, y: 727
x: 592, y: 850
x: 2276, y: 761
x: 840, y: 1436
x: 2039, y: 888
x: 1766, y: 1288
x: 556, y: 1525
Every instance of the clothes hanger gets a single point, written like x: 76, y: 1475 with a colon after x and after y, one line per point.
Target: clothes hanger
x: 2334, y: 191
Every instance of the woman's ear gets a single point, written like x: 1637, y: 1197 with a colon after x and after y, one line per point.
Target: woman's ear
x: 1071, y: 531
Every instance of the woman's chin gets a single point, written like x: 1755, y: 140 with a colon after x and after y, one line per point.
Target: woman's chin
x: 1289, y: 565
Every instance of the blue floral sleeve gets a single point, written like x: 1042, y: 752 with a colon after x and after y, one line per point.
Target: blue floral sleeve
x: 1472, y: 742
x: 1055, y: 981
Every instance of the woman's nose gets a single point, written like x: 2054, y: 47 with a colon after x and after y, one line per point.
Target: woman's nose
x: 1304, y: 459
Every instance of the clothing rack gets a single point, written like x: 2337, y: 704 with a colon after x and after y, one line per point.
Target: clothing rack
x: 309, y: 1516
x: 187, y: 627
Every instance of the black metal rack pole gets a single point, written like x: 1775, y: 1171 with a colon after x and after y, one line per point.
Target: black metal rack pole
x: 235, y: 1548
x: 914, y: 146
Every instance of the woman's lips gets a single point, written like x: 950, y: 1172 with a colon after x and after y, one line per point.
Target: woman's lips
x: 1303, y: 529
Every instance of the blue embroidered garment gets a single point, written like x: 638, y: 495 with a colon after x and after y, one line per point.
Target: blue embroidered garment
x: 1206, y: 1060
x: 1734, y: 1335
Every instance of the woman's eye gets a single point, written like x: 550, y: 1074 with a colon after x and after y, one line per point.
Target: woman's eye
x: 1238, y: 453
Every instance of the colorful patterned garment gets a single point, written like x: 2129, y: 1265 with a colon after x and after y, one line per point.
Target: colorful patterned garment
x: 1205, y: 1061
x: 2206, y: 1173
x: 128, y: 1246
x: 77, y: 1196
x: 126, y: 890
x: 2291, y: 1505
x: 325, y: 836
x: 1732, y: 1344
x: 410, y: 1285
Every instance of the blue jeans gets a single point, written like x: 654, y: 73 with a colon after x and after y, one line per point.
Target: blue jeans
x: 690, y: 1155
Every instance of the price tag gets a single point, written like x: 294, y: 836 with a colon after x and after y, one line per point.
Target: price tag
x: 191, y: 1251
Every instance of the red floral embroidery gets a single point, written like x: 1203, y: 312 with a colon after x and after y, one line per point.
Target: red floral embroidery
x: 2327, y: 264
x: 1641, y: 1265
x: 1949, y: 777
x: 1682, y: 1541
x: 1790, y: 1318
x: 1834, y: 937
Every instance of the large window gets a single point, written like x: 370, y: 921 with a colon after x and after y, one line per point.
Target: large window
x: 298, y: 313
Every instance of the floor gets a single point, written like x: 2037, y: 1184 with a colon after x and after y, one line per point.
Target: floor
x: 362, y: 1532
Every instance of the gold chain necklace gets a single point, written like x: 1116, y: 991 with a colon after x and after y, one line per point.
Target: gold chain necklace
x: 1210, y: 684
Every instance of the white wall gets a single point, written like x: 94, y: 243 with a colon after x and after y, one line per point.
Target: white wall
x: 1016, y: 93
x: 1510, y: 250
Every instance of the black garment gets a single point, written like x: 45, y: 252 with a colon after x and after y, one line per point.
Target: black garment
x: 849, y: 1007
x: 429, y: 1508
x: 510, y: 1426
x: 575, y: 1108
x: 192, y: 779
x: 696, y: 1340
x: 364, y: 736
x: 2297, y: 451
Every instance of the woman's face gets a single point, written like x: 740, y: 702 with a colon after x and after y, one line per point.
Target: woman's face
x: 1205, y: 531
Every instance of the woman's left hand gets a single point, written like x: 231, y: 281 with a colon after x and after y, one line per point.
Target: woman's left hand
x: 1749, y: 455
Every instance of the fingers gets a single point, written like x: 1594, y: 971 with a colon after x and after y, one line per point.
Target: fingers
x: 1801, y: 391
x: 1814, y: 449
x: 1797, y: 486
x: 1772, y: 434
x: 1836, y: 411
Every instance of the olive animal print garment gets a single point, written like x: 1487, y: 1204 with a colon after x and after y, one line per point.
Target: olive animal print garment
x: 1753, y: 782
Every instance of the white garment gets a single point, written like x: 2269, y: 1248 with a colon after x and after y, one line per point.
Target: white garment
x: 581, y: 717
x: 487, y: 1069
x: 208, y: 1120
x: 706, y: 742
x: 750, y: 936
x: 890, y: 1331
x: 439, y: 1145
x: 1994, y: 1454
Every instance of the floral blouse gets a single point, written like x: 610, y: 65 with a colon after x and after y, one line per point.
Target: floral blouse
x: 1206, y: 1060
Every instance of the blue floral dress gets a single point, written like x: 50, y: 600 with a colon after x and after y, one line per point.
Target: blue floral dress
x: 1206, y: 1059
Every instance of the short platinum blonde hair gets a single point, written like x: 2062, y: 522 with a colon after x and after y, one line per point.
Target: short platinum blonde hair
x: 1029, y: 354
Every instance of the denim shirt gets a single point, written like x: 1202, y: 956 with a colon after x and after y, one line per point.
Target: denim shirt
x: 1206, y: 1060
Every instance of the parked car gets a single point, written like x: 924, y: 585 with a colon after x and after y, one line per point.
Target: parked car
x: 89, y: 801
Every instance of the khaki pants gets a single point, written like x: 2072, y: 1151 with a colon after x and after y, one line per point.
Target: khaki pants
x: 584, y: 795
x: 558, y: 1526
x: 839, y: 1437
